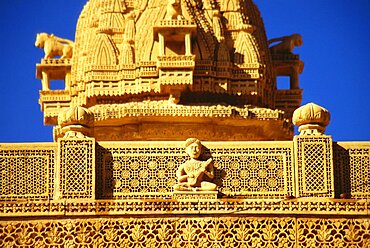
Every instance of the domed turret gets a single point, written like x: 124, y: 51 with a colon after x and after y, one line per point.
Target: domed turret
x: 153, y: 50
x: 196, y: 54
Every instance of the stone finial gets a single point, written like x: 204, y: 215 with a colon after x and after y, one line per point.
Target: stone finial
x: 311, y: 119
x: 76, y: 122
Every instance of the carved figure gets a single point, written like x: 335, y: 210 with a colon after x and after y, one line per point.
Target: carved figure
x: 173, y: 10
x: 54, y: 46
x: 287, y: 43
x: 217, y: 25
x: 194, y: 174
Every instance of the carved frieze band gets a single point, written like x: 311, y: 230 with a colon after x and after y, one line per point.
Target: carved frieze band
x: 187, y: 232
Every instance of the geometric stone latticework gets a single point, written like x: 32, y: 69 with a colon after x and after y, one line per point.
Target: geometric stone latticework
x: 127, y: 175
x: 314, y: 166
x: 360, y: 172
x: 241, y: 216
x: 140, y: 170
x: 27, y: 172
x: 352, y: 161
x: 187, y: 232
x: 258, y: 176
x: 76, y: 169
x: 312, y: 175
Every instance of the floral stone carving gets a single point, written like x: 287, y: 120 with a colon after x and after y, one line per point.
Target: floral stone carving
x: 194, y: 174
x: 311, y: 118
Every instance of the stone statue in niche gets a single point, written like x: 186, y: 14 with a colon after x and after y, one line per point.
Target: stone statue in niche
x: 54, y: 46
x: 286, y: 45
x: 195, y: 174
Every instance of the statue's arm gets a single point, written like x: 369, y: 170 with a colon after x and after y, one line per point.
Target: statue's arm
x: 181, y: 174
x: 209, y: 170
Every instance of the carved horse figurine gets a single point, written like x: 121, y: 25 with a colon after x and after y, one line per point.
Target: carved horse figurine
x: 54, y: 46
x: 287, y: 43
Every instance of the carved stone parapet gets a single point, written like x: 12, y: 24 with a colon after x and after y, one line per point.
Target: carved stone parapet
x: 179, y: 61
x: 177, y: 23
x: 56, y: 61
x: 311, y: 118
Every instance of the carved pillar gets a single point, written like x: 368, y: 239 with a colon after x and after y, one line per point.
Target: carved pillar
x: 187, y: 44
x: 161, y: 44
x: 45, y: 81
x: 294, y: 78
x: 67, y: 81
x: 75, y: 169
x: 313, y: 152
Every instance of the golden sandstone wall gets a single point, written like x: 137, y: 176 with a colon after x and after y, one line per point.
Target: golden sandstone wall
x: 77, y: 193
x: 202, y: 69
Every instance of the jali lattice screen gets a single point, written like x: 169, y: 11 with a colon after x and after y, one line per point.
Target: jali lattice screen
x: 314, y: 166
x: 352, y: 161
x: 137, y: 169
x: 27, y: 171
x: 76, y: 170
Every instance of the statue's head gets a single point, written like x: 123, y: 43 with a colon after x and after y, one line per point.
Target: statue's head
x: 40, y: 39
x: 193, y: 147
x: 297, y: 38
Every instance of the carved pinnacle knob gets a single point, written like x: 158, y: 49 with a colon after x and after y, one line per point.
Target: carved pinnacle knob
x: 311, y: 119
x: 76, y: 122
x: 76, y: 115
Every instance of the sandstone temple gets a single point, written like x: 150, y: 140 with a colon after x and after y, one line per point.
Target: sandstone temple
x: 171, y: 132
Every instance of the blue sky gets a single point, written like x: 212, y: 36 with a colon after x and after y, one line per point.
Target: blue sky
x: 336, y: 76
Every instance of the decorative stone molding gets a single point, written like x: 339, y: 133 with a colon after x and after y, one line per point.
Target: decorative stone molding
x: 218, y: 231
x: 312, y: 119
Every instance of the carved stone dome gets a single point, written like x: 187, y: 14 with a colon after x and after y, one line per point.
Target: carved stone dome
x: 195, y: 51
x: 173, y: 69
